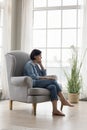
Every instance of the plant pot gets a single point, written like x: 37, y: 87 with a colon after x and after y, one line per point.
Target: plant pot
x: 73, y: 97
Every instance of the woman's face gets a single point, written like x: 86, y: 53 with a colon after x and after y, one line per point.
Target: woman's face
x: 38, y: 58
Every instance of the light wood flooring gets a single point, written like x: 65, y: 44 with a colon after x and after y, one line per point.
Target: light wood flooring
x: 21, y: 116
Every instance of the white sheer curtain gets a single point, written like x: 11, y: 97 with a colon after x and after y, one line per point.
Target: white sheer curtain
x: 6, y: 45
x: 17, y: 32
x: 26, y: 36
x: 84, y: 46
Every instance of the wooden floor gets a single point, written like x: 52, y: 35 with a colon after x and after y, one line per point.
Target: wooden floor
x: 21, y: 116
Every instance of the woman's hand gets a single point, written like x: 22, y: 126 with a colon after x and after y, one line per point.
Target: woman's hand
x: 50, y: 77
x: 41, y: 65
x: 53, y: 77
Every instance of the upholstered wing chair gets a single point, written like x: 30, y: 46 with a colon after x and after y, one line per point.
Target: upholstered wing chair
x: 20, y: 87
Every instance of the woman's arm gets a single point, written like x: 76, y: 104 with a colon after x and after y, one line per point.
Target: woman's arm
x: 41, y: 66
x: 51, y: 77
x: 29, y: 71
x: 41, y: 69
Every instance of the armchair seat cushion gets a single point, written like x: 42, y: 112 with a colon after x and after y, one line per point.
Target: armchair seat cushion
x: 38, y: 92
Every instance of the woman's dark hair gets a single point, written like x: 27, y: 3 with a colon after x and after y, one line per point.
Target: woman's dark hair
x: 34, y: 53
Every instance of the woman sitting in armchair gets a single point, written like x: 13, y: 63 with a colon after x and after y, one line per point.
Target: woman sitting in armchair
x: 36, y: 71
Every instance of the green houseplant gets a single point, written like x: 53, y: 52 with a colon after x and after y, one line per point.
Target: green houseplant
x: 74, y: 79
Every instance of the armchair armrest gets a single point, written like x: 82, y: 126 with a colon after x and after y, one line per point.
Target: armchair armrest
x: 22, y: 81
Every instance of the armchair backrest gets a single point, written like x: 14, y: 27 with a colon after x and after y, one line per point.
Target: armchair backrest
x: 15, y: 62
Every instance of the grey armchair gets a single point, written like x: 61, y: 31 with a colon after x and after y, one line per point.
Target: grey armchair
x: 20, y: 87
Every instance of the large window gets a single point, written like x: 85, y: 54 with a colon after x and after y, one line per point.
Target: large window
x: 56, y: 27
x: 1, y: 34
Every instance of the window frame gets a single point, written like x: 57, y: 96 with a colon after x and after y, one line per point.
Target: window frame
x: 76, y: 7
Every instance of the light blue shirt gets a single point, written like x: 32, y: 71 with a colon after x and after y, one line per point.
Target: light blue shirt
x: 33, y: 70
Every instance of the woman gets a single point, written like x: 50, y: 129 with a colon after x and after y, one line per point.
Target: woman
x: 36, y: 71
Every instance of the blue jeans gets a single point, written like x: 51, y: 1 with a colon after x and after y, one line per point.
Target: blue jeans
x: 51, y: 85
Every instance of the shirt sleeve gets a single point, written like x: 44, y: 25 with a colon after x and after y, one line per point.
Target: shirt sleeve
x: 29, y: 71
x: 41, y: 72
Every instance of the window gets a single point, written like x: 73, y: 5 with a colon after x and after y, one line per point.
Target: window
x: 1, y: 34
x: 56, y: 27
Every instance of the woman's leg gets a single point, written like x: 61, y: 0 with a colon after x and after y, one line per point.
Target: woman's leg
x: 54, y: 98
x: 55, y: 110
x: 43, y: 83
x: 49, y: 84
x: 63, y: 100
x: 55, y: 91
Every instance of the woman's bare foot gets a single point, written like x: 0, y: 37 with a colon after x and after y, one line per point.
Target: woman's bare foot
x: 58, y: 113
x: 66, y: 103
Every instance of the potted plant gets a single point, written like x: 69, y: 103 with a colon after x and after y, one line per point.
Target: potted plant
x: 74, y: 79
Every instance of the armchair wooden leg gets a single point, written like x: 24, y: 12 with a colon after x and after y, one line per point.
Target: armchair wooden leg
x: 34, y: 108
x: 10, y: 104
x: 61, y: 107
